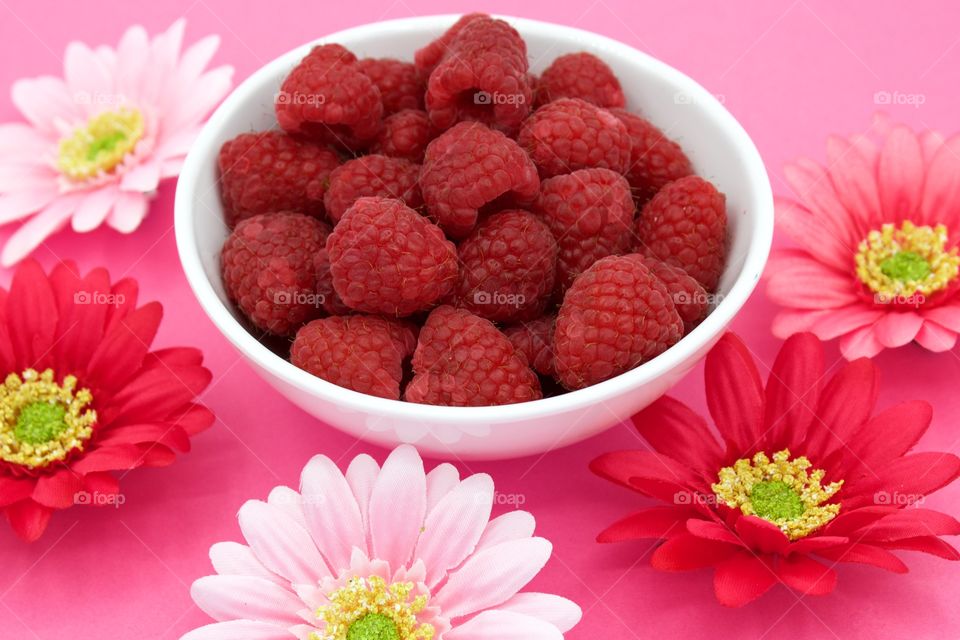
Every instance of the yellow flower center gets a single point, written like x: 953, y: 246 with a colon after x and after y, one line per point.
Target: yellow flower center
x: 909, y: 262
x: 780, y: 491
x: 42, y: 421
x: 101, y: 145
x: 371, y: 609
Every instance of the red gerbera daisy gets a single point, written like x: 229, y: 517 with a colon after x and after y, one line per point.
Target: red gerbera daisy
x: 82, y: 394
x: 802, y: 470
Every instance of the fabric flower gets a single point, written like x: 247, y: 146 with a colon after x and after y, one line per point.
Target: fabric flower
x: 83, y: 394
x: 802, y: 469
x: 878, y: 230
x: 101, y: 139
x: 377, y: 553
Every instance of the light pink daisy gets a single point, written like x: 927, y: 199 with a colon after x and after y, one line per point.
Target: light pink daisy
x: 878, y: 230
x: 388, y: 553
x: 101, y: 139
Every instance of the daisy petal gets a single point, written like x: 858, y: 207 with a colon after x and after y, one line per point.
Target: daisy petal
x: 398, y: 506
x: 513, y: 525
x: 28, y: 519
x: 861, y: 343
x: 935, y: 338
x: 246, y: 598
x: 807, y: 576
x: 793, y: 391
x: 34, y: 231
x: 897, y: 328
x: 235, y: 559
x: 688, y: 551
x: 361, y: 475
x: 504, y: 625
x: 560, y: 612
x: 20, y: 204
x: 795, y: 279
x: 143, y: 178
x: 94, y: 208
x: 734, y: 393
x: 441, y: 480
x: 128, y: 212
x: 865, y: 554
x: 742, y: 579
x: 946, y: 315
x: 842, y: 321
x: 46, y: 102
x: 654, y: 522
x: 798, y: 223
x: 900, y: 174
x: 672, y: 428
x: 280, y: 543
x: 845, y: 404
x: 492, y: 576
x: 21, y: 143
x: 86, y: 76
x: 941, y: 189
x: 855, y: 184
x: 16, y: 178
x: 239, y: 630
x: 331, y: 511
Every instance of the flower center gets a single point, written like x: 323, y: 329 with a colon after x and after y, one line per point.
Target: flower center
x: 780, y: 491
x: 371, y: 609
x: 42, y: 421
x: 909, y: 261
x: 101, y: 145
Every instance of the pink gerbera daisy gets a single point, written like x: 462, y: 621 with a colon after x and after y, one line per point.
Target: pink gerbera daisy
x: 101, y: 139
x: 388, y: 553
x: 878, y: 229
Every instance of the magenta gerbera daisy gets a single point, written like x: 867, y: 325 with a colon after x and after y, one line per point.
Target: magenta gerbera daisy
x: 803, y: 476
x: 878, y: 232
x: 83, y: 395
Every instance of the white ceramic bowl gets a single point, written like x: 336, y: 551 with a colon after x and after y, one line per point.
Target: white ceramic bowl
x: 719, y: 148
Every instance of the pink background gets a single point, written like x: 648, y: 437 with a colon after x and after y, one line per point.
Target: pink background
x: 791, y: 72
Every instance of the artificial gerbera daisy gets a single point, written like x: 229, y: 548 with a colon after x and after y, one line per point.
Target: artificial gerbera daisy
x: 82, y: 393
x: 101, y: 139
x: 802, y: 469
x: 388, y: 553
x: 878, y: 230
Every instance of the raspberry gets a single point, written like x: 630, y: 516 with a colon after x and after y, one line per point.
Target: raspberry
x: 463, y: 360
x: 580, y: 75
x: 590, y: 213
x: 270, y: 171
x: 372, y: 175
x: 570, y: 134
x: 482, y: 77
x: 326, y: 295
x: 655, y: 159
x: 616, y: 316
x: 400, y: 83
x: 405, y: 134
x: 685, y: 225
x: 267, y: 266
x: 688, y: 296
x: 508, y: 265
x: 387, y: 258
x: 363, y: 353
x: 471, y: 165
x: 328, y: 98
x: 534, y: 339
x: 429, y: 56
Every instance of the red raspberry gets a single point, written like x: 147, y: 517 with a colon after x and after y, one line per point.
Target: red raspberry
x: 463, y: 360
x: 470, y: 166
x: 372, y: 175
x: 363, y: 353
x: 570, y: 134
x: 328, y: 298
x: 387, y: 258
x: 328, y: 98
x: 655, y: 159
x: 267, y: 266
x: 429, y: 56
x: 590, y: 213
x: 405, y: 134
x: 688, y: 296
x: 580, y: 75
x: 616, y: 316
x: 270, y: 171
x: 400, y: 83
x: 685, y: 225
x: 507, y: 267
x: 534, y: 339
x: 482, y: 77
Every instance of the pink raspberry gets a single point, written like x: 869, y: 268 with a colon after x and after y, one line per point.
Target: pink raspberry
x: 372, y: 175
x: 534, y: 339
x: 387, y: 258
x: 507, y: 267
x: 688, y: 296
x: 463, y: 360
x: 429, y: 56
x: 405, y: 134
x: 616, y: 316
x: 655, y: 158
x: 580, y: 75
x: 469, y: 166
x: 570, y: 134
x: 400, y: 83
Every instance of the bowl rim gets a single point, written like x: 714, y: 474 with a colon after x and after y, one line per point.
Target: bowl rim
x: 758, y: 247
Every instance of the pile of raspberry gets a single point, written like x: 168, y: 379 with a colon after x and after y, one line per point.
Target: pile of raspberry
x: 458, y: 231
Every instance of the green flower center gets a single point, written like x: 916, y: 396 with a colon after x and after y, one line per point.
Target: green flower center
x: 905, y: 266
x: 775, y: 501
x: 40, y: 422
x: 373, y: 626
x: 101, y: 145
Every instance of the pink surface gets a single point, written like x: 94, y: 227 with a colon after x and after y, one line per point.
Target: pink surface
x: 791, y: 72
